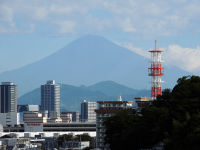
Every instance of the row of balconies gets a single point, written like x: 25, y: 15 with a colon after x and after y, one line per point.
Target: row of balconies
x: 104, y: 115
x: 101, y: 135
x: 100, y: 140
x: 101, y: 130
x: 100, y: 120
x: 112, y: 105
x: 100, y: 125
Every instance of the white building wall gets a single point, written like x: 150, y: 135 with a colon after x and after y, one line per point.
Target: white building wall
x: 11, y: 118
x: 88, y: 113
x: 33, y: 127
x: 107, y: 108
x: 3, y: 119
x: 33, y: 108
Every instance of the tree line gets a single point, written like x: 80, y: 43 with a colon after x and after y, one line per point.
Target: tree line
x: 172, y: 121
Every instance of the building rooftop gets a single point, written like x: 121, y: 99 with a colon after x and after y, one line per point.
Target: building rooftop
x: 7, y: 83
x: 142, y: 98
x: 116, y: 102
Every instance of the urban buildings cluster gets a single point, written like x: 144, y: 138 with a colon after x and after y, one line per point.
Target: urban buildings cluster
x: 47, y: 119
x: 47, y: 112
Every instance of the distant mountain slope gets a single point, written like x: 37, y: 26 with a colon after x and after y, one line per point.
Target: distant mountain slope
x: 71, y: 96
x: 111, y: 88
x: 89, y: 60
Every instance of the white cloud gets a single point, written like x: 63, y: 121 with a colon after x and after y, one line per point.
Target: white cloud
x: 6, y: 14
x: 137, y: 50
x: 156, y: 18
x: 127, y: 25
x: 40, y: 13
x: 66, y: 27
x: 187, y: 59
x: 6, y: 19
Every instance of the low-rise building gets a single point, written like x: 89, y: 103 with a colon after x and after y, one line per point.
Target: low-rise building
x: 66, y: 117
x: 73, y: 127
x: 75, y: 116
x: 75, y: 145
x: 142, y: 102
x: 33, y: 121
x: 10, y: 119
x: 18, y: 144
x: 24, y: 108
x: 34, y: 117
x: 54, y: 120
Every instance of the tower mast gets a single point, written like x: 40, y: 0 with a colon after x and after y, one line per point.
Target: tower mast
x: 156, y: 72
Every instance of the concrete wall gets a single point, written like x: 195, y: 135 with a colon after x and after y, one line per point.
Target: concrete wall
x: 11, y: 118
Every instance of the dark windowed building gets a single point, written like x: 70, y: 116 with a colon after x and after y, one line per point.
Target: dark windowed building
x: 50, y: 99
x: 8, y: 97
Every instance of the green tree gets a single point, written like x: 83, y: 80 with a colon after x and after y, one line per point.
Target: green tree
x: 64, y: 138
x: 115, y: 130
x: 85, y: 137
x: 174, y: 119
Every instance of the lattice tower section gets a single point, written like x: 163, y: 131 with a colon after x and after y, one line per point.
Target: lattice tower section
x: 156, y: 72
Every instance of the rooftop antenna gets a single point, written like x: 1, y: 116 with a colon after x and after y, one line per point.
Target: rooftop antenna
x: 61, y: 83
x: 119, y: 98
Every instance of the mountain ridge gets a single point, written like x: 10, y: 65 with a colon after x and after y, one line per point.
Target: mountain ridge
x: 88, y: 60
x: 71, y: 96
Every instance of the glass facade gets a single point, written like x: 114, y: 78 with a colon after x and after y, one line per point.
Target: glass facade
x: 50, y: 99
x: 8, y: 97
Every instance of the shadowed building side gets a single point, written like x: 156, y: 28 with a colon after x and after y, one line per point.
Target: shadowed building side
x: 50, y: 99
x: 8, y: 97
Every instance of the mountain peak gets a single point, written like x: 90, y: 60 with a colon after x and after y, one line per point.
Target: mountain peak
x: 87, y: 60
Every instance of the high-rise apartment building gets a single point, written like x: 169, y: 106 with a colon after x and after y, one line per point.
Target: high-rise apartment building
x: 108, y: 109
x: 88, y: 111
x: 8, y: 97
x: 50, y: 98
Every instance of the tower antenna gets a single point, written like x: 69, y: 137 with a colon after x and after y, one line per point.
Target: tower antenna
x: 156, y: 72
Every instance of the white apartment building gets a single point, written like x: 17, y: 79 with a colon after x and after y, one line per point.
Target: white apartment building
x: 88, y: 113
x: 108, y: 109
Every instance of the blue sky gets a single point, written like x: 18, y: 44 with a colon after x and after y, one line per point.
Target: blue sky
x: 33, y: 29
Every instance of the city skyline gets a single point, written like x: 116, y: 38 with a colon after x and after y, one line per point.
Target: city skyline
x: 30, y: 31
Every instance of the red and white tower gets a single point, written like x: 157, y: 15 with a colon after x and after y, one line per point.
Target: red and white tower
x: 156, y: 72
